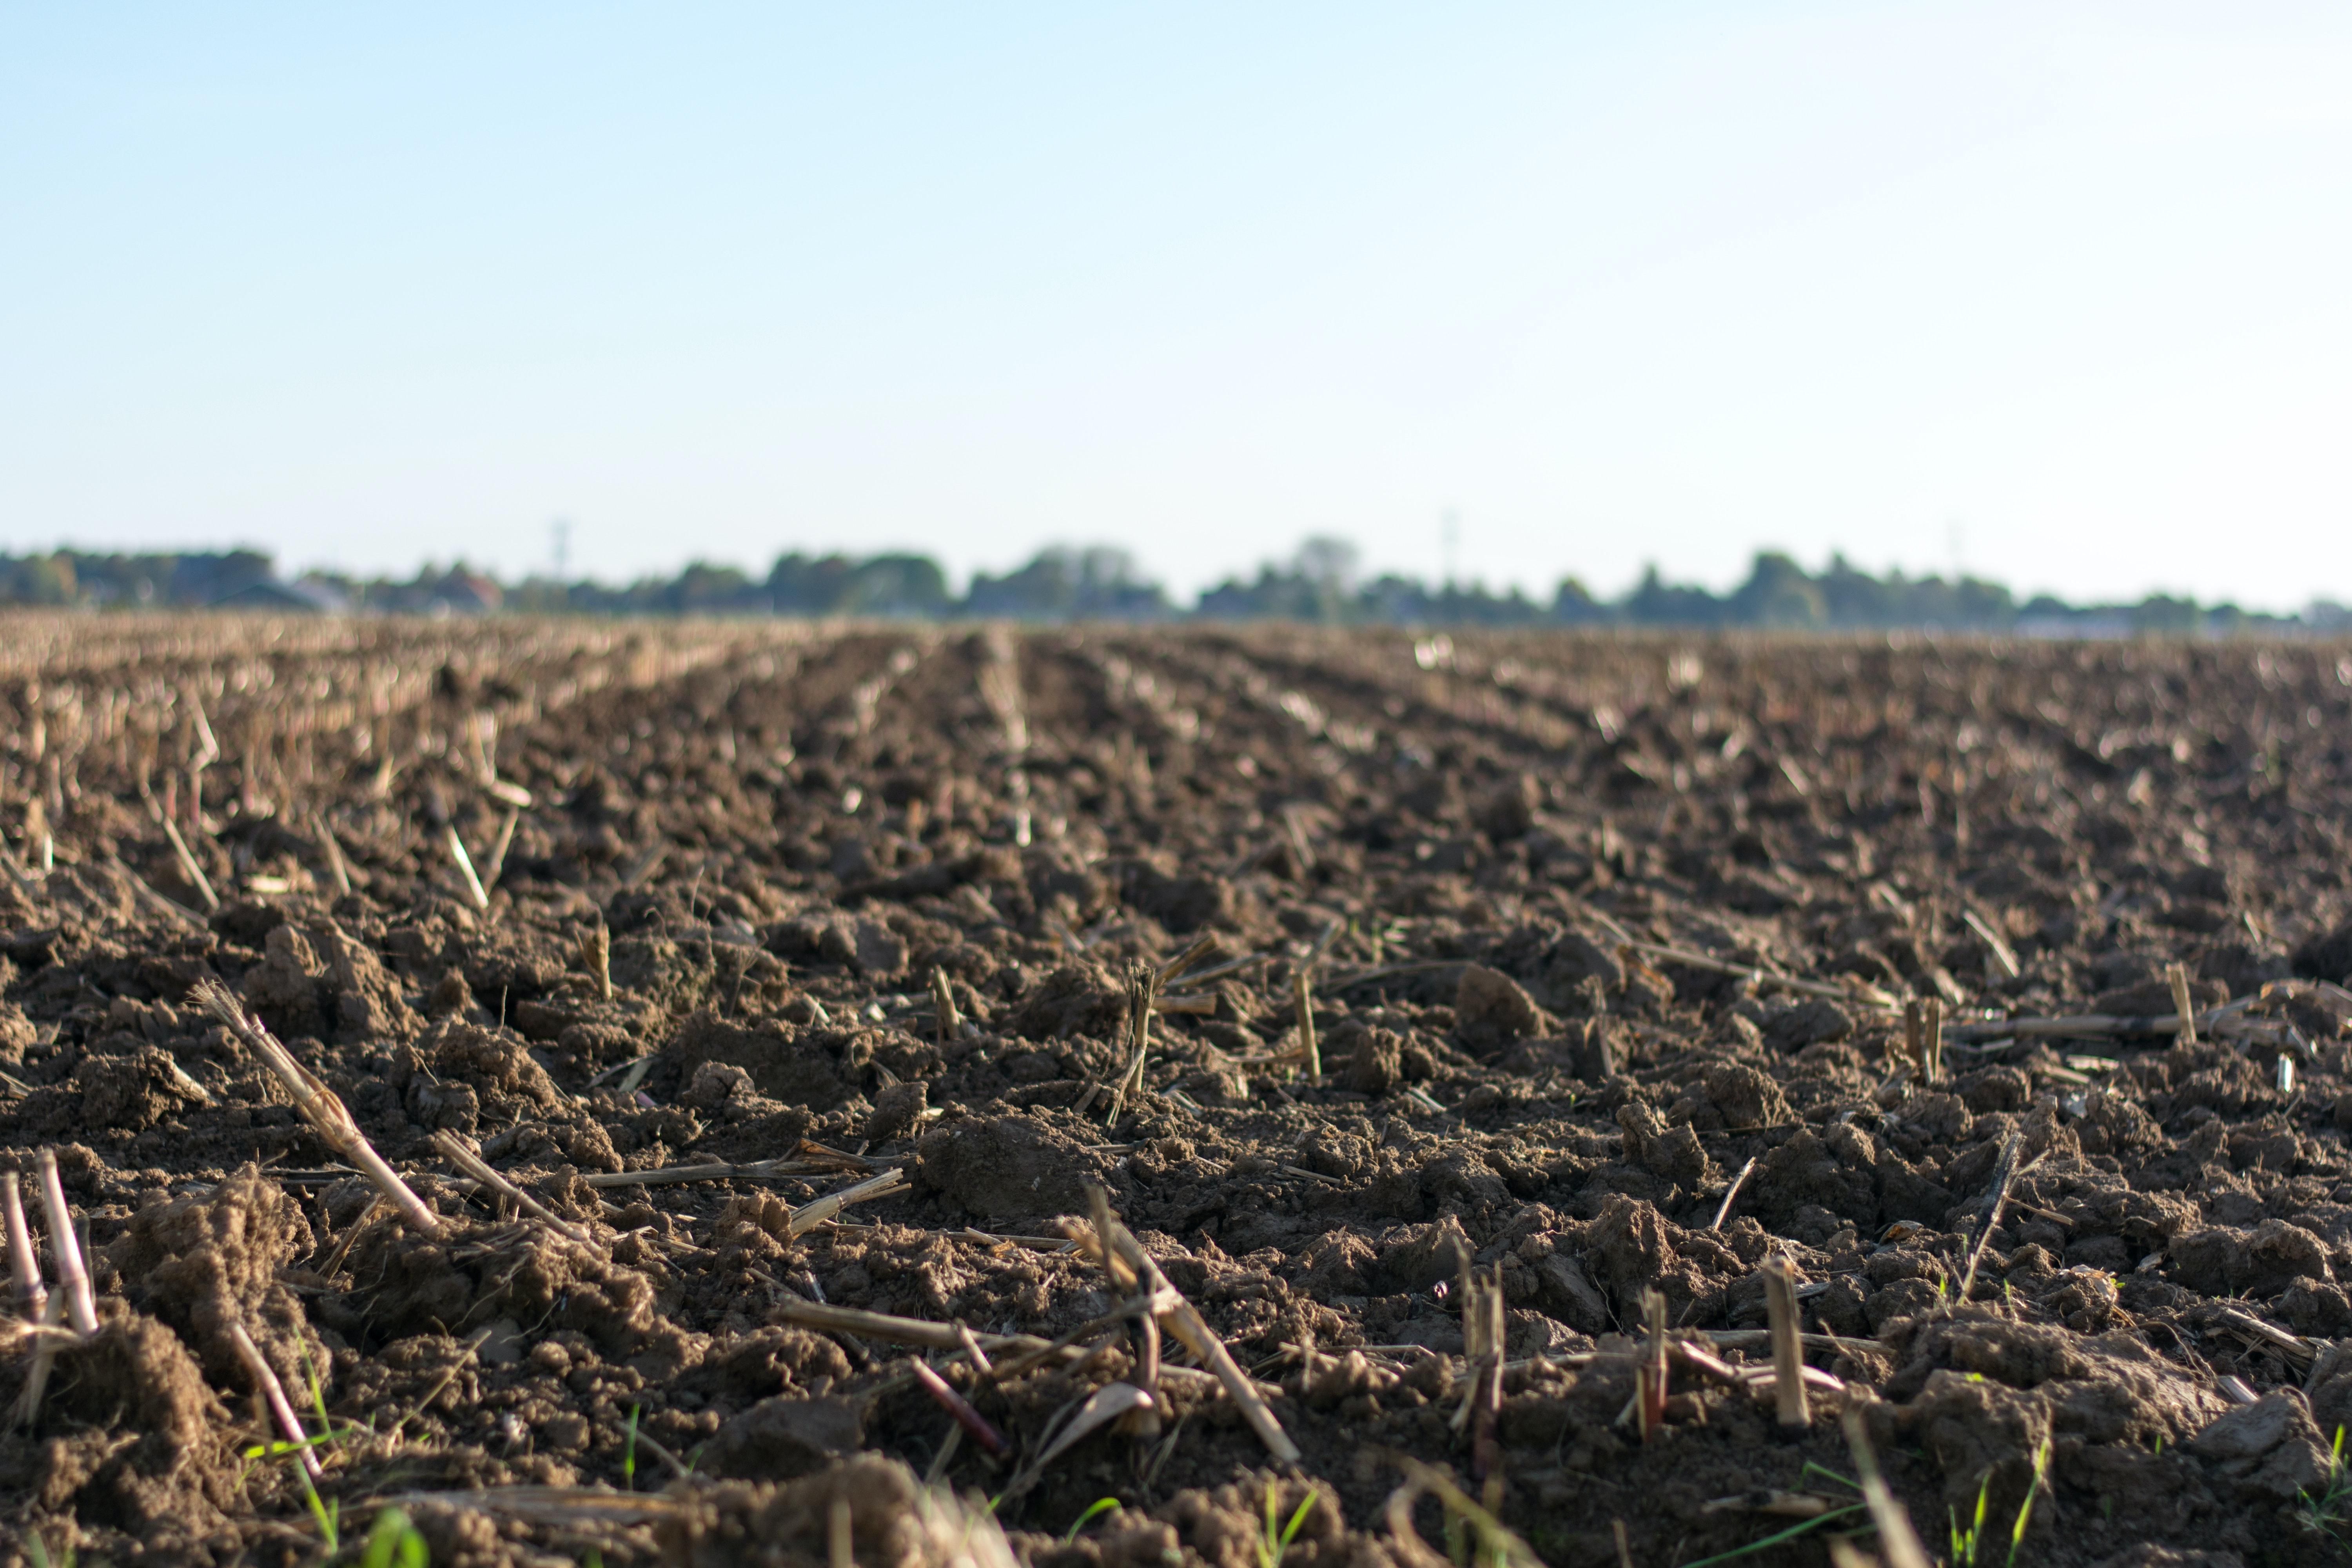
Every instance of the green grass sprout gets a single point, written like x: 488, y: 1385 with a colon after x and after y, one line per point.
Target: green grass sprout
x: 1828, y: 1475
x: 317, y: 1390
x: 1276, y: 1538
x: 2025, y: 1509
x: 2328, y: 1514
x: 1964, y: 1541
x: 327, y: 1511
x: 1101, y: 1506
x: 1779, y: 1537
x: 395, y: 1542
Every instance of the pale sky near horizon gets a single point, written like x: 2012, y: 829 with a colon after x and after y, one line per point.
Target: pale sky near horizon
x: 2060, y: 293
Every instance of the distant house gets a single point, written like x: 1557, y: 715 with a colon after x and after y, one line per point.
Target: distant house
x: 301, y: 598
x: 468, y: 594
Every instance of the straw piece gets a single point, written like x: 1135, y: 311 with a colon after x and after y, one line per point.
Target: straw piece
x: 809, y: 1216
x: 597, y: 952
x: 668, y: 1176
x: 1764, y: 977
x: 188, y: 866
x: 2297, y: 1350
x: 25, y: 885
x: 943, y: 1006
x: 1122, y: 1278
x: 497, y: 863
x: 1195, y: 978
x: 2105, y: 1025
x: 162, y: 905
x: 465, y: 864
x: 2183, y: 1007
x: 1895, y: 1537
x: 567, y: 1508
x: 1706, y: 1363
x: 1188, y: 1325
x: 972, y: 1352
x: 319, y: 1105
x: 209, y: 749
x: 1144, y: 1420
x: 1496, y: 1544
x: 1995, y: 1201
x: 1182, y: 963
x: 45, y: 1353
x: 644, y: 865
x: 833, y: 1159
x: 1302, y: 995
x: 1761, y: 1339
x: 1651, y: 1374
x: 1302, y: 1002
x: 473, y: 1165
x: 337, y: 866
x: 65, y: 1248
x: 897, y: 1331
x: 1142, y: 991
x: 1788, y: 1356
x: 1106, y: 1405
x: 957, y: 1405
x: 2004, y: 957
x: 1723, y: 1211
x: 273, y: 1394
x: 23, y: 1266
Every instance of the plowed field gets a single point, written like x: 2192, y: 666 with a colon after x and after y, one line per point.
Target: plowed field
x: 1452, y: 1031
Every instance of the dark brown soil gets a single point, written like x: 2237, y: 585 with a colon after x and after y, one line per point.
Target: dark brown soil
x: 786, y: 833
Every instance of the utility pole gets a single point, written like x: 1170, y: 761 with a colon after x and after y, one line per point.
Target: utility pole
x: 561, y: 528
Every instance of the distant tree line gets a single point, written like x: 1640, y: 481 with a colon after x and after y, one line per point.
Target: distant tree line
x: 1320, y: 582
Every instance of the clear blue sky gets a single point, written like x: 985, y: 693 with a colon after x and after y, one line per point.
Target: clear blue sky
x: 2066, y: 290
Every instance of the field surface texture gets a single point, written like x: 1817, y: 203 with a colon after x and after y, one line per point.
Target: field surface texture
x: 904, y: 1097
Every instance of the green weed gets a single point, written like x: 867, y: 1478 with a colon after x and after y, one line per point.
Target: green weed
x: 1474, y: 1537
x: 1794, y: 1530
x: 1276, y: 1540
x: 2025, y: 1509
x: 1828, y: 1475
x: 393, y: 1542
x: 629, y: 1453
x: 276, y: 1448
x: 1101, y: 1506
x: 2330, y: 1512
x: 327, y: 1511
x: 1966, y: 1542
x: 38, y: 1551
x: 318, y: 1392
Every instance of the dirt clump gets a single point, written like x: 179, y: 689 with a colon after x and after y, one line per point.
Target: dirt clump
x: 210, y: 1262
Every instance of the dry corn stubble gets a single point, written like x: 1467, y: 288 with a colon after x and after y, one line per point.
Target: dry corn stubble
x: 319, y: 1105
